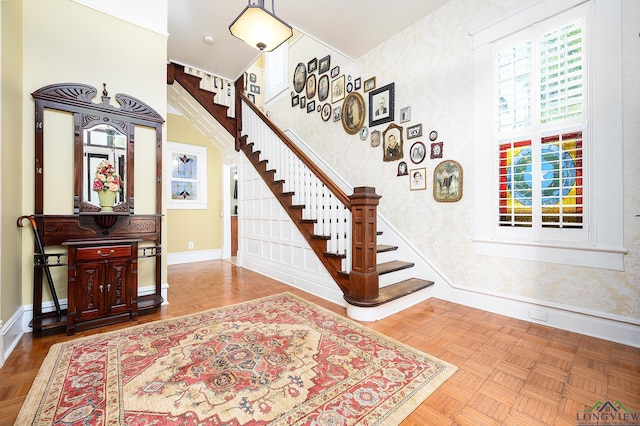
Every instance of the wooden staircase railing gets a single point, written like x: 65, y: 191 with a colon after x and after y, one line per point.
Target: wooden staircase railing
x: 340, y: 228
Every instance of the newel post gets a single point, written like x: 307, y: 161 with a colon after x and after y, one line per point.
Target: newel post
x: 363, y: 281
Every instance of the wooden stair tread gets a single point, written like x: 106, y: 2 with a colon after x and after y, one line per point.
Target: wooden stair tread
x: 392, y: 292
x: 392, y: 266
x: 384, y: 248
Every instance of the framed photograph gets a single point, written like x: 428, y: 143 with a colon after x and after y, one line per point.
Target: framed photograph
x: 337, y: 89
x: 311, y: 106
x: 326, y: 112
x: 319, y: 107
x: 417, y: 153
x: 303, y: 102
x: 433, y: 135
x: 251, y: 97
x: 414, y: 131
x: 349, y: 87
x: 325, y: 64
x: 254, y: 88
x: 295, y: 100
x: 402, y: 169
x: 447, y: 181
x: 405, y: 114
x: 370, y: 84
x: 357, y: 83
x: 375, y: 138
x: 353, y: 113
x: 337, y: 113
x: 381, y: 105
x: 335, y: 71
x: 311, y: 86
x: 312, y: 65
x: 418, y: 179
x: 299, y: 77
x: 252, y: 78
x: 392, y: 143
x: 436, y: 150
x: 323, y: 88
x: 364, y: 133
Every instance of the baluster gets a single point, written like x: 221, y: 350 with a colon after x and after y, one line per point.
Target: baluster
x: 340, y: 217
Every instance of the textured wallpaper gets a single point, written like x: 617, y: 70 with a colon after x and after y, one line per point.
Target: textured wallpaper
x: 431, y: 64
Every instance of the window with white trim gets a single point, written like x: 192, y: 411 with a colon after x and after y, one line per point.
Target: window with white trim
x: 187, y: 172
x: 275, y: 71
x: 540, y: 128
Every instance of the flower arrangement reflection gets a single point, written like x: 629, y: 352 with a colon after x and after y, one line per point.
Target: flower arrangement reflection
x: 106, y: 178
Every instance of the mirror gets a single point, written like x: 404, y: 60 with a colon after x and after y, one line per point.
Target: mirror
x: 103, y: 142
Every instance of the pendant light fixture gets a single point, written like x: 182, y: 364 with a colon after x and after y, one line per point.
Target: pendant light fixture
x: 260, y: 28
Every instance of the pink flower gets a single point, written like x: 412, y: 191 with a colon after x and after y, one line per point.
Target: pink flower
x: 106, y: 178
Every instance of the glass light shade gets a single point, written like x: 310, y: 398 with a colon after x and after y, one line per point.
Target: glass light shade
x: 260, y: 29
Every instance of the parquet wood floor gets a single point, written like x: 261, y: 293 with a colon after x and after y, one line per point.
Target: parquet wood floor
x: 510, y: 372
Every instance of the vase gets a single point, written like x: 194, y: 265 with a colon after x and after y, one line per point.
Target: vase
x: 107, y: 199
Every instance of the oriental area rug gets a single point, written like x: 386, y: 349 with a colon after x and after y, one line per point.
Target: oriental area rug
x: 278, y: 360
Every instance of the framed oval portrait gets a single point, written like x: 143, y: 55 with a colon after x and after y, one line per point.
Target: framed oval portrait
x: 323, y: 88
x: 299, y: 77
x: 353, y: 113
x: 311, y: 86
x: 326, y: 112
x: 417, y: 153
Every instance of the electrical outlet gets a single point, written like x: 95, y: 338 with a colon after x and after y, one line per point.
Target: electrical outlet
x: 190, y: 245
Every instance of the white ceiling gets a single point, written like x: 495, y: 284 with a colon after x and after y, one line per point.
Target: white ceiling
x: 351, y: 27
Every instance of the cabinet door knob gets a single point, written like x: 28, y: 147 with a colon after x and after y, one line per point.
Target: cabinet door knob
x: 101, y: 287
x: 105, y: 254
x: 108, y: 287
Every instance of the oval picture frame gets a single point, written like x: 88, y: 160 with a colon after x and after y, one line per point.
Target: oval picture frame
x: 353, y: 113
x: 418, y: 152
x: 300, y: 77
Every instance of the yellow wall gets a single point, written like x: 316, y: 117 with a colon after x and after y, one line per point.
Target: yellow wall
x: 202, y: 227
x: 11, y: 167
x: 64, y: 41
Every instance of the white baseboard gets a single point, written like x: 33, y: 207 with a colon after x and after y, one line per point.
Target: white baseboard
x: 193, y: 256
x: 10, y: 334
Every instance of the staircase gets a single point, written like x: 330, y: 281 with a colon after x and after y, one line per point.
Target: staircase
x: 339, y: 228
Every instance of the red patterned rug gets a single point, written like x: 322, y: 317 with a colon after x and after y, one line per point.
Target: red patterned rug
x: 277, y: 360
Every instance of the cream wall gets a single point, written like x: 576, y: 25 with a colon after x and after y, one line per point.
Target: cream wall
x: 202, y: 227
x: 432, y: 66
x: 10, y: 154
x: 64, y: 41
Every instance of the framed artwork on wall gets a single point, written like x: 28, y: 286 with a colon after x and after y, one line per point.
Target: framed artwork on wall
x: 326, y: 112
x: 414, y: 131
x: 325, y: 64
x: 381, y: 105
x: 370, y: 84
x: 299, y: 77
x: 392, y: 143
x: 335, y: 71
x: 337, y: 89
x: 418, y: 179
x: 323, y: 88
x: 312, y: 65
x: 353, y: 113
x: 417, y: 153
x: 311, y: 86
x: 337, y: 113
x: 447, y: 181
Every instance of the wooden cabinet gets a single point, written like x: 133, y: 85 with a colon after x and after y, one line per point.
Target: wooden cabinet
x: 234, y: 235
x: 102, y: 283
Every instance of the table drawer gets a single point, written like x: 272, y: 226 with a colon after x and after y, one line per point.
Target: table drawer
x: 103, y: 252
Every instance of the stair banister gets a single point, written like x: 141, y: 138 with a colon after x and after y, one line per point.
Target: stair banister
x: 324, y: 201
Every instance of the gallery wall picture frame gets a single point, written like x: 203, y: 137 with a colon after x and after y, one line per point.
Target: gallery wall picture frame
x: 335, y: 71
x: 364, y: 133
x: 376, y: 137
x: 414, y: 131
x: 392, y: 143
x: 299, y: 77
x: 253, y: 78
x: 447, y: 181
x: 436, y: 149
x: 418, y: 179
x: 357, y: 83
x: 402, y: 169
x: 370, y: 84
x: 405, y: 114
x: 295, y: 100
x: 251, y: 97
x: 311, y: 86
x: 324, y: 65
x: 353, y: 113
x: 312, y: 65
x: 303, y: 102
x: 337, y: 113
x: 311, y: 106
x: 417, y: 153
x: 337, y: 89
x: 254, y: 88
x: 323, y: 88
x: 381, y: 105
x: 325, y: 113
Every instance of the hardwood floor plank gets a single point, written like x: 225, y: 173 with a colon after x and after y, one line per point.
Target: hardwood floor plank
x: 511, y: 372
